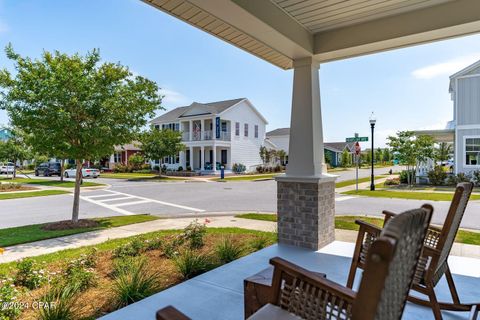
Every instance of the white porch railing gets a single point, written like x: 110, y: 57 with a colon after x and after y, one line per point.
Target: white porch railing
x: 186, y: 136
x: 224, y: 135
x: 207, y: 135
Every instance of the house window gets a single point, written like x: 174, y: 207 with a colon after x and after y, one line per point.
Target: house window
x: 157, y: 126
x: 245, y: 130
x: 237, y: 128
x: 117, y: 157
x: 256, y: 131
x: 177, y: 126
x: 472, y: 151
x: 177, y: 158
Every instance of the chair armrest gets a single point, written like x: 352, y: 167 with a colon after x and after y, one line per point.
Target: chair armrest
x: 388, y: 215
x: 170, y: 313
x: 293, y: 270
x: 368, y: 227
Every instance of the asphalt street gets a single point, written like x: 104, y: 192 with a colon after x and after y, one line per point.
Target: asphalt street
x: 191, y: 198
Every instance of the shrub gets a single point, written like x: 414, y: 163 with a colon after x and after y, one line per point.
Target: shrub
x: 392, y: 182
x: 79, y: 275
x: 153, y: 244
x: 135, y: 283
x: 123, y: 265
x: 133, y: 248
x: 455, y: 179
x: 277, y: 168
x: 259, y: 242
x: 260, y: 169
x: 61, y: 303
x: 227, y: 250
x: 194, y: 233
x: 189, y: 168
x: 238, y: 168
x: 29, y: 274
x: 171, y: 248
x: 8, y: 297
x: 156, y: 168
x: 9, y: 186
x: 437, y: 176
x: 191, y: 264
x: 404, y: 178
x: 180, y: 168
x: 476, y: 177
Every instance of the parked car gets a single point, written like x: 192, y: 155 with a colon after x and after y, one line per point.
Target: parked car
x: 86, y: 173
x: 48, y: 169
x: 7, y: 168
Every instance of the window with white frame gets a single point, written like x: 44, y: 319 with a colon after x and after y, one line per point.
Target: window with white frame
x: 472, y: 151
x: 157, y: 126
x: 117, y: 157
x: 256, y: 131
x: 237, y: 128
x: 245, y: 129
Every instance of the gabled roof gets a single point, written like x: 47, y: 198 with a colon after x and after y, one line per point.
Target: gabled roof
x: 196, y: 109
x: 339, y: 146
x: 278, y: 132
x: 463, y: 72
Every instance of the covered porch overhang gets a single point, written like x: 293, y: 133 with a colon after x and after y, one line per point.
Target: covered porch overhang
x: 439, y: 136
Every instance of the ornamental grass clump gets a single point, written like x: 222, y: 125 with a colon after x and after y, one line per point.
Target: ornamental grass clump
x: 259, y: 242
x: 228, y: 250
x: 60, y: 303
x: 135, y: 283
x: 191, y: 263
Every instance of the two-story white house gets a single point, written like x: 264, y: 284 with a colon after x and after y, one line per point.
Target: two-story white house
x: 215, y: 134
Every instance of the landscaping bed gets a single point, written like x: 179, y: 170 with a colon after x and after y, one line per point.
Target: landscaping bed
x: 89, y: 282
x: 11, y: 186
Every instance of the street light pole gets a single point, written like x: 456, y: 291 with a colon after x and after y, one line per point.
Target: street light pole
x: 372, y: 126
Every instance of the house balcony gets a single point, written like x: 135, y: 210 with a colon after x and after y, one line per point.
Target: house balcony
x: 208, y: 135
x: 218, y: 294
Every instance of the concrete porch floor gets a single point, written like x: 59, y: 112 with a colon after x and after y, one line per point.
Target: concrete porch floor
x: 218, y: 294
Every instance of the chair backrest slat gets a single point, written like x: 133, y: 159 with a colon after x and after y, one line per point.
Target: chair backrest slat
x: 391, y: 265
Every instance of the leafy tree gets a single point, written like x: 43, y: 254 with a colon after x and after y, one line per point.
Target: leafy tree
x: 282, y: 155
x: 136, y: 161
x: 14, y: 149
x: 157, y: 144
x: 263, y: 154
x: 75, y: 105
x: 411, y: 150
x: 443, y: 151
x: 328, y: 158
x: 346, y: 158
x: 379, y: 156
x: 387, y: 155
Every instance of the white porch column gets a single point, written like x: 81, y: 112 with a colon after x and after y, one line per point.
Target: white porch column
x: 190, y: 137
x: 191, y: 158
x: 214, y: 159
x: 182, y: 159
x: 306, y: 195
x: 202, y: 132
x: 202, y: 155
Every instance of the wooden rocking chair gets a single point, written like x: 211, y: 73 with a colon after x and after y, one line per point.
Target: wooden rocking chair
x: 433, y: 264
x: 390, y: 268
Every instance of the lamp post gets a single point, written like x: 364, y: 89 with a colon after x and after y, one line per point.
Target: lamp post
x: 372, y: 126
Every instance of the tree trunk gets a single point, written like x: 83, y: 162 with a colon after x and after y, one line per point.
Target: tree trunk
x: 14, y: 168
x: 62, y: 169
x: 76, y: 193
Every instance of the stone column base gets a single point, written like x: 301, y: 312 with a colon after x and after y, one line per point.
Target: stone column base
x: 306, y: 211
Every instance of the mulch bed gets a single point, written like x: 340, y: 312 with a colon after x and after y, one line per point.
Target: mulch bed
x: 68, y: 224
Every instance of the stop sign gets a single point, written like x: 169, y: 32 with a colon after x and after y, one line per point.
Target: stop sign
x: 357, y: 148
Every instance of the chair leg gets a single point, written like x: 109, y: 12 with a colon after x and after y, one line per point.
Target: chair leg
x: 356, y: 257
x: 351, y: 275
x: 474, y: 312
x: 451, y: 286
x: 434, y: 302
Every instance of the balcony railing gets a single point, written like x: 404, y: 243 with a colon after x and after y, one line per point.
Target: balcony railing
x: 206, y: 135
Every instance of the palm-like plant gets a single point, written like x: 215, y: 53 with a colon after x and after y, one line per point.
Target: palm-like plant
x: 443, y: 151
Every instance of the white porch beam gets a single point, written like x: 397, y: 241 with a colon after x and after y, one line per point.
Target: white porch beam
x: 443, y: 21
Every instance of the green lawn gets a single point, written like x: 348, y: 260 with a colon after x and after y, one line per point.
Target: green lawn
x: 345, y: 183
x: 249, y: 177
x: 31, y: 233
x: 348, y: 223
x: 52, y: 183
x: 112, y: 244
x: 126, y: 175
x: 19, y: 195
x: 407, y: 195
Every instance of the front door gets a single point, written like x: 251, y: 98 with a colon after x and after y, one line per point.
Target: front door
x: 187, y: 158
x: 211, y: 158
x: 224, y: 157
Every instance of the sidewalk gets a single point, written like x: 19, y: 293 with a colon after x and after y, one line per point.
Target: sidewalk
x: 95, y: 237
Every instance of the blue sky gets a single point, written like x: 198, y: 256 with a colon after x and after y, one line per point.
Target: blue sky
x: 407, y: 88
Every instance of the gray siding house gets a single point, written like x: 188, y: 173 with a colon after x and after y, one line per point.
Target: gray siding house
x: 464, y: 130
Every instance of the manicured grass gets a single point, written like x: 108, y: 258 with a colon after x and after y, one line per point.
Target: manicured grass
x: 112, y: 244
x: 126, y: 175
x: 249, y: 177
x: 346, y: 183
x: 407, y: 195
x: 52, y: 183
x: 31, y: 233
x: 348, y: 223
x: 19, y: 195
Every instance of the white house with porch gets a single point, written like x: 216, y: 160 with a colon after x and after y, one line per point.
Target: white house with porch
x: 215, y: 134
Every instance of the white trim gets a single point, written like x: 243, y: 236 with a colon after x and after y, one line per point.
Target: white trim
x: 455, y: 106
x: 466, y: 70
x: 469, y: 76
x: 468, y: 126
x: 465, y: 151
x: 250, y: 105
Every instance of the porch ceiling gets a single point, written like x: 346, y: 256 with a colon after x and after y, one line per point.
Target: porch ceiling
x: 281, y: 31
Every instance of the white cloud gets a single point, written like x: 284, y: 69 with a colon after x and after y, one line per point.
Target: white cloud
x: 448, y: 67
x: 173, y: 97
